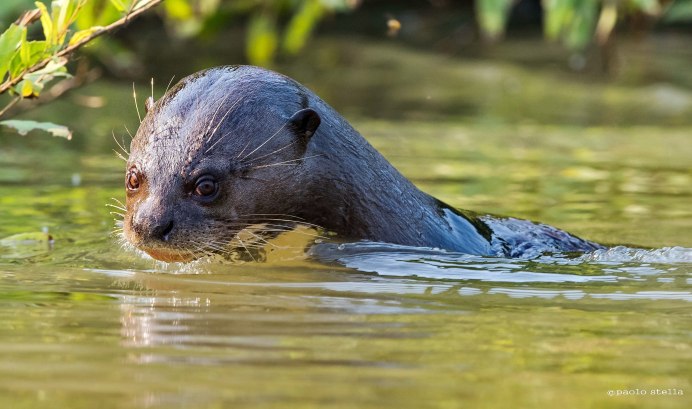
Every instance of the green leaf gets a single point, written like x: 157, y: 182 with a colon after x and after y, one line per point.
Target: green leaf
x: 572, y: 21
x: 558, y: 15
x: 178, y: 9
x: 138, y: 4
x: 83, y: 34
x: 27, y: 89
x: 262, y: 39
x: 301, y: 25
x: 96, y: 13
x: 46, y: 23
x: 32, y: 84
x: 679, y: 11
x: 55, y: 68
x: 17, y: 65
x: 9, y: 42
x: 64, y: 12
x: 24, y: 127
x: 36, y: 51
x: 492, y: 16
x: 120, y: 5
x: 30, y: 53
x: 580, y: 32
x: 57, y: 7
x: 651, y: 7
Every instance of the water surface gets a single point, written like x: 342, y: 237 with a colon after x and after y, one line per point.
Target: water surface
x: 84, y: 323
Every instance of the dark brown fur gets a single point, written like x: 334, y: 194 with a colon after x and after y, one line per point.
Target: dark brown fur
x: 279, y: 154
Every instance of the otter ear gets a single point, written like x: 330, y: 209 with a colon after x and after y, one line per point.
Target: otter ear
x: 305, y: 123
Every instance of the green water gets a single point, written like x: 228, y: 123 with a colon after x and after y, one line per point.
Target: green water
x: 85, y: 324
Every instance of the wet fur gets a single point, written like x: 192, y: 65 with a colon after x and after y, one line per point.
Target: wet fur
x: 244, y: 125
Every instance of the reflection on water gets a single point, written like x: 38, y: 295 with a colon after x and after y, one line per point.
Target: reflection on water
x: 249, y: 334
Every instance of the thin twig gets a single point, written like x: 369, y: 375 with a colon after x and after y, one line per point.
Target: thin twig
x: 81, y: 77
x: 9, y: 105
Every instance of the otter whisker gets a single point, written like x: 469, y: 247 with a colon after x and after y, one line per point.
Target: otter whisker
x: 278, y: 228
x: 218, y: 125
x: 215, y: 246
x: 116, y: 207
x: 119, y: 202
x: 263, y: 143
x: 119, y: 155
x: 263, y: 240
x: 273, y: 214
x: 246, y: 249
x: 129, y: 133
x: 120, y: 145
x: 223, y: 245
x: 169, y: 85
x: 291, y: 221
x: 217, y: 142
x: 213, y: 117
x: 244, y: 147
x: 290, y: 162
x: 254, y: 178
x: 134, y: 96
x: 302, y: 233
x: 276, y: 151
x: 220, y: 122
x: 200, y: 249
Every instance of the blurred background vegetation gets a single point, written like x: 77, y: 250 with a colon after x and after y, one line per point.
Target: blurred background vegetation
x: 324, y: 40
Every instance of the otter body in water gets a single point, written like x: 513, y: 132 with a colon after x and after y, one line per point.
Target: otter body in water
x: 233, y: 147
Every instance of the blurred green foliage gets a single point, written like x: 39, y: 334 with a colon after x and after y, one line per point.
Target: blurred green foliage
x: 679, y: 11
x: 577, y: 22
x: 272, y: 27
x: 492, y: 16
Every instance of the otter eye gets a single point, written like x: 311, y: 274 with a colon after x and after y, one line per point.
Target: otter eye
x: 206, y: 187
x: 132, y: 180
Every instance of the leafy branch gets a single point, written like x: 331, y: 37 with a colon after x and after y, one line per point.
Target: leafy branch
x: 26, y: 66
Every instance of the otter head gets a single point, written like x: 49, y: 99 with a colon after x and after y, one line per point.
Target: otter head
x: 216, y: 154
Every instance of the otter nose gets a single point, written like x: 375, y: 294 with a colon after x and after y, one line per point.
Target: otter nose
x: 162, y: 231
x: 153, y: 221
x: 153, y: 228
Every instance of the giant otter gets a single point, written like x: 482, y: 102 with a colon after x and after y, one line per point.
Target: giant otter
x: 231, y: 147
